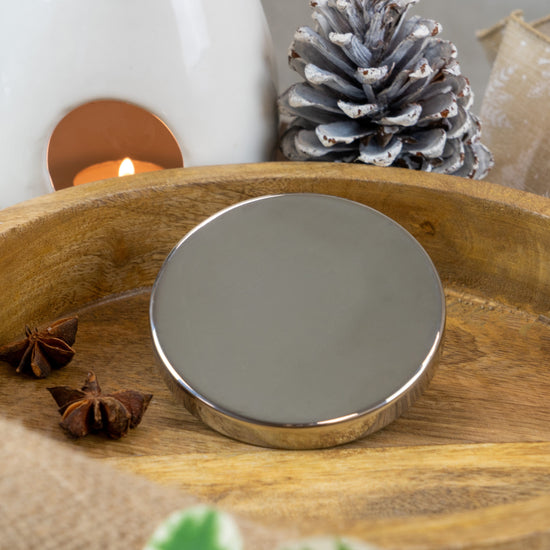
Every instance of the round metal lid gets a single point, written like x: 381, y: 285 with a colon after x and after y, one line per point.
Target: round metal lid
x: 297, y: 321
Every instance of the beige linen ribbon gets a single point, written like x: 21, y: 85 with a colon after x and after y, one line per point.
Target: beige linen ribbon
x: 53, y: 497
x: 515, y: 113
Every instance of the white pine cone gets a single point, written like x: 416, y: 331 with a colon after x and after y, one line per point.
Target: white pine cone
x: 380, y: 88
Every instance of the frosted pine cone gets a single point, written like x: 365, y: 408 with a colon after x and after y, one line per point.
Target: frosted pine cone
x: 380, y: 88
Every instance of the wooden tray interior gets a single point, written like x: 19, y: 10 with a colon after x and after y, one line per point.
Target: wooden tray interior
x: 467, y: 465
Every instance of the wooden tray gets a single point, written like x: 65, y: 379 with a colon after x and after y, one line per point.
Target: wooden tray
x: 467, y: 467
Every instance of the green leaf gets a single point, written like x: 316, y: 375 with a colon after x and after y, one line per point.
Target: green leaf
x: 198, y: 528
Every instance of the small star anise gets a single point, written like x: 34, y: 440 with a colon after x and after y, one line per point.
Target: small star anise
x: 42, y: 350
x: 88, y: 410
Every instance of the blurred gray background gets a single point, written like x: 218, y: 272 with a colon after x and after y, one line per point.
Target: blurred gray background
x: 460, y: 20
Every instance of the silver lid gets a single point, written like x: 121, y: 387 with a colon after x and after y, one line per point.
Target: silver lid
x: 297, y: 321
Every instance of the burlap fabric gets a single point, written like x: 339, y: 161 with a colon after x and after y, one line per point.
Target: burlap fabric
x: 54, y: 498
x: 515, y: 113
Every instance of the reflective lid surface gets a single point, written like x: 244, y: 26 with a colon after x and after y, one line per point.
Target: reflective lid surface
x: 296, y: 311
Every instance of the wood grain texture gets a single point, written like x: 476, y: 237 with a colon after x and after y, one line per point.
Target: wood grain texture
x: 468, y: 466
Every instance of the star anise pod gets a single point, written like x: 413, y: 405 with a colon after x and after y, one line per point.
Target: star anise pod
x: 88, y: 410
x: 42, y: 350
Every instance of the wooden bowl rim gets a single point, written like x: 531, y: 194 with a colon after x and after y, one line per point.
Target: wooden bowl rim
x: 98, y: 192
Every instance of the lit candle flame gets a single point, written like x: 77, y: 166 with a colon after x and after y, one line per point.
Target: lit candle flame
x: 126, y: 168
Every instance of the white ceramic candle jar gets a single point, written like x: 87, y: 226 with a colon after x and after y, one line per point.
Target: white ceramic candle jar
x: 203, y: 67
